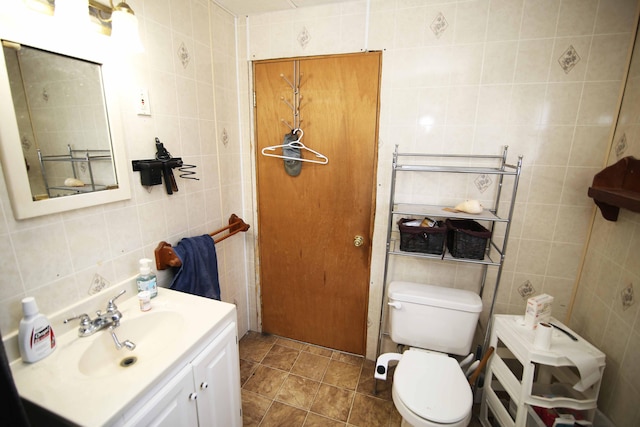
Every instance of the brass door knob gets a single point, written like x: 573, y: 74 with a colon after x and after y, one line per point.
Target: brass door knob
x: 358, y: 241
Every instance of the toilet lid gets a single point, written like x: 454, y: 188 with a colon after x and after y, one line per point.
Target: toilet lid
x: 433, y: 386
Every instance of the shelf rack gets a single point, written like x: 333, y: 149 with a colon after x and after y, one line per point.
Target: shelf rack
x: 437, y: 163
x: 74, y: 157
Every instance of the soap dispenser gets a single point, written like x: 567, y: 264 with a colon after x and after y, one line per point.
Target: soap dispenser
x: 146, y: 281
x: 36, y: 339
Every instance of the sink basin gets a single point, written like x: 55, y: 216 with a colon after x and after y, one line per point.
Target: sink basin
x: 152, y: 333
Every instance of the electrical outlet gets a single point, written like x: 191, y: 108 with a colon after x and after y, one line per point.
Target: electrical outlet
x: 98, y: 283
x: 143, y: 108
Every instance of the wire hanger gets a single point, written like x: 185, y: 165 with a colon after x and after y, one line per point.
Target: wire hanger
x: 266, y: 151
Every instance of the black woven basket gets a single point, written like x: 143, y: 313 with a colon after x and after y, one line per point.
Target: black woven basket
x: 466, y: 238
x: 428, y: 240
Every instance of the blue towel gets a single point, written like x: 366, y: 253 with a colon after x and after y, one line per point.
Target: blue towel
x: 198, y: 274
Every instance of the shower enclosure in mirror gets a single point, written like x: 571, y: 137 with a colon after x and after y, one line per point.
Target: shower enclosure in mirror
x: 60, y: 134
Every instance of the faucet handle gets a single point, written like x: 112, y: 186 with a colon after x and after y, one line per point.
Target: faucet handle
x: 85, y: 320
x: 111, y: 306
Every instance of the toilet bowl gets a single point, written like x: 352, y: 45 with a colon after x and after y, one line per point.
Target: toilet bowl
x: 429, y: 389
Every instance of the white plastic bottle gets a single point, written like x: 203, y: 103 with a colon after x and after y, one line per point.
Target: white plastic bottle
x: 146, y: 281
x: 36, y: 339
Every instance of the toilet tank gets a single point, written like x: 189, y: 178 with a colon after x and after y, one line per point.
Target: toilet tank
x: 433, y: 317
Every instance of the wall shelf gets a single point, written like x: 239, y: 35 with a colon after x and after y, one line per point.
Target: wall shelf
x: 617, y: 186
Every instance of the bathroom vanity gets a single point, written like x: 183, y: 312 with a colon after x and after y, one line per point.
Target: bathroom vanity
x: 183, y: 371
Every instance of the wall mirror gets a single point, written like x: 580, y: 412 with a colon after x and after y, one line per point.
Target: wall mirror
x: 60, y: 135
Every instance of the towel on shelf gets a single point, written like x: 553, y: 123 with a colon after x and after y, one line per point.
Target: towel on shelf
x: 198, y: 274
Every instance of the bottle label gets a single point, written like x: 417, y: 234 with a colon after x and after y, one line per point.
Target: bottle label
x: 43, y: 335
x: 144, y: 298
x: 153, y: 287
x: 148, y: 285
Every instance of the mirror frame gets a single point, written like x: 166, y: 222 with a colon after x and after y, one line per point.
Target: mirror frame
x: 44, y: 32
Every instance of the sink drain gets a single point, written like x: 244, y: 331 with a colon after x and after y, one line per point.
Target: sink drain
x: 128, y: 361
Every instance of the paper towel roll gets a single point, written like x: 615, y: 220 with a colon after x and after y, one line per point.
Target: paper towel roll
x: 542, y: 340
x: 587, y: 366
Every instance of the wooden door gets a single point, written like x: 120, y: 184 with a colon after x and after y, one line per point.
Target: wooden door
x: 314, y: 279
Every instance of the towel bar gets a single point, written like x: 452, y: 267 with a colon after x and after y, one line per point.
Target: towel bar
x: 166, y: 257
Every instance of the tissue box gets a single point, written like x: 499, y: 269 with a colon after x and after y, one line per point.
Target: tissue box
x: 538, y: 310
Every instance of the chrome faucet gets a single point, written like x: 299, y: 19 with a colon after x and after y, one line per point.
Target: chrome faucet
x: 126, y: 343
x: 110, y: 318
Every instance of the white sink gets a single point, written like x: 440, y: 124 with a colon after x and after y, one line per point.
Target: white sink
x: 84, y: 381
x: 151, y: 333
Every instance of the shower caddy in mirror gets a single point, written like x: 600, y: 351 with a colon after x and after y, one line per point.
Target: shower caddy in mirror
x: 82, y: 178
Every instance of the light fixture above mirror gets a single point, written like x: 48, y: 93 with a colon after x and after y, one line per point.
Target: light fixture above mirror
x: 118, y: 20
x: 124, y: 24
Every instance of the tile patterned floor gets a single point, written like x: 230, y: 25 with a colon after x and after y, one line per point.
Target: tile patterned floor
x: 289, y: 383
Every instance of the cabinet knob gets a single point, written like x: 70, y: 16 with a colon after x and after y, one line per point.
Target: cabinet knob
x: 204, y: 385
x: 193, y: 396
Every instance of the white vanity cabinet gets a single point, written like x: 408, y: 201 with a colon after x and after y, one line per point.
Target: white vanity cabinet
x: 216, y: 377
x: 204, y: 392
x: 171, y: 406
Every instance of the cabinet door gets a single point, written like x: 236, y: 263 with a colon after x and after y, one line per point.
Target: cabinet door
x: 172, y: 406
x: 216, y: 374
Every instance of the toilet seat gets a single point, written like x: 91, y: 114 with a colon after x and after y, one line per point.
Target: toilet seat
x: 433, y: 387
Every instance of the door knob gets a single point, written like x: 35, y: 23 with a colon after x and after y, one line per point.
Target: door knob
x: 358, y: 241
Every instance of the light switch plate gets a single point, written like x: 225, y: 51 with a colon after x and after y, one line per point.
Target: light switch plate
x: 143, y: 108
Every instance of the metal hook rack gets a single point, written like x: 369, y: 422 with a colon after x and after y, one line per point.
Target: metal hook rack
x: 294, y: 105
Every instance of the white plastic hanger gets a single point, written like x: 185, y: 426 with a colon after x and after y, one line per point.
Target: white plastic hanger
x: 266, y: 151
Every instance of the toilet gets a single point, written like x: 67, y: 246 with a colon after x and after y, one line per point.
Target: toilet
x: 429, y: 387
